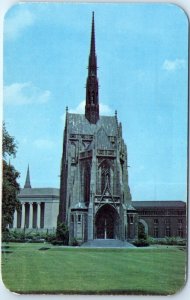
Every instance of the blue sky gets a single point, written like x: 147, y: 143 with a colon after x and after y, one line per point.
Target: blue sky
x: 142, y: 57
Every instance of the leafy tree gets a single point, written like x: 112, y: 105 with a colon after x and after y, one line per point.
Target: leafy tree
x: 9, y: 144
x: 62, y: 233
x: 10, y: 184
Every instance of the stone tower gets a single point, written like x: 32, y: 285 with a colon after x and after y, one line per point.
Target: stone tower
x: 95, y: 199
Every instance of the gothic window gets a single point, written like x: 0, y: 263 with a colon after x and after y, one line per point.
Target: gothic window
x: 131, y: 219
x: 87, y: 184
x: 92, y: 97
x: 105, y: 176
x: 73, y: 150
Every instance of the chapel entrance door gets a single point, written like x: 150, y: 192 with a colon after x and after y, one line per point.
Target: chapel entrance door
x: 106, y: 223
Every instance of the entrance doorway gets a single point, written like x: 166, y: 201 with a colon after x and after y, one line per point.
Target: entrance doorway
x: 107, y: 223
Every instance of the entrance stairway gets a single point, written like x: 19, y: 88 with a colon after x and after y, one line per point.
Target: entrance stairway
x: 108, y: 243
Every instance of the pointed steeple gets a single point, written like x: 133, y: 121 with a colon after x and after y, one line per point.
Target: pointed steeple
x: 92, y: 57
x: 92, y: 102
x: 27, y: 182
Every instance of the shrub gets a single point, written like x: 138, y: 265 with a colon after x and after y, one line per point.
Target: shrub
x: 57, y: 242
x: 62, y: 233
x: 167, y: 241
x: 21, y: 236
x: 141, y: 243
x: 74, y: 242
x: 141, y: 232
x: 50, y: 237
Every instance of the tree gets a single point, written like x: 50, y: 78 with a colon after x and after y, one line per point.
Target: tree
x: 62, y: 233
x: 10, y: 184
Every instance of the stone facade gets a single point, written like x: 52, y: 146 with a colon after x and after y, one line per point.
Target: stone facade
x: 95, y: 199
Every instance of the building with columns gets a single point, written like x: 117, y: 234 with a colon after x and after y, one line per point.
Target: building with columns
x: 39, y: 208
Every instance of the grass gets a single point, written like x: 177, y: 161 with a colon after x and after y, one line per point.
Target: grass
x: 154, y: 270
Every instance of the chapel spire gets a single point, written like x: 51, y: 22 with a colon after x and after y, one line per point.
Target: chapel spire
x: 27, y: 182
x: 92, y: 102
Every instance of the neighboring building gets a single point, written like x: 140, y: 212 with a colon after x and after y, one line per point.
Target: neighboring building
x: 162, y: 218
x: 95, y: 199
x: 39, y: 208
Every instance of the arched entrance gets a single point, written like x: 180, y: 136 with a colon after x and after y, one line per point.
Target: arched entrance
x: 107, y: 223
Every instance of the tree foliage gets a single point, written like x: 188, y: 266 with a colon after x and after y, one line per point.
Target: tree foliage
x: 9, y: 144
x: 10, y: 184
x: 141, y: 231
x: 62, y: 233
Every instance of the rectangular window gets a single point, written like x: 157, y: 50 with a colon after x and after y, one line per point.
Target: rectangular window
x: 156, y: 232
x: 180, y: 221
x: 72, y: 218
x: 167, y: 221
x: 155, y: 221
x: 168, y: 231
x: 79, y: 218
x: 131, y: 219
x: 180, y: 232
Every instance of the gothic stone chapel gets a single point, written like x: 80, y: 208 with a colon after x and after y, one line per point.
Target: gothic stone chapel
x: 95, y: 199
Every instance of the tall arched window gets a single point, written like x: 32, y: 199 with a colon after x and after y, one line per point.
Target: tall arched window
x: 105, y: 175
x: 87, y: 184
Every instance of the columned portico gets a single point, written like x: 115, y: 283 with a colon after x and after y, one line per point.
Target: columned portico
x: 32, y: 215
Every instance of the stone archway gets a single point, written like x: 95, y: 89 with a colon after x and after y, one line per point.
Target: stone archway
x: 107, y: 223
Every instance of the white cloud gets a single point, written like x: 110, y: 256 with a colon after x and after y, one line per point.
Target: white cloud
x: 172, y: 65
x: 80, y: 109
x: 104, y: 109
x: 24, y: 93
x: 15, y: 24
x: 43, y: 144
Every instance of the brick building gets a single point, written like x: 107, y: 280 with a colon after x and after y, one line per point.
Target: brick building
x: 162, y: 218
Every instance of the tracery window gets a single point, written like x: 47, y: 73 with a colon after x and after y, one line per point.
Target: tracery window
x: 105, y: 175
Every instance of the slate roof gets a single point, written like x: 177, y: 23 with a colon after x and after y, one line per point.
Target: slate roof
x: 78, y: 124
x: 35, y: 192
x: 158, y: 204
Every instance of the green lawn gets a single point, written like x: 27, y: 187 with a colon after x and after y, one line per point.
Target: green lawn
x: 156, y: 270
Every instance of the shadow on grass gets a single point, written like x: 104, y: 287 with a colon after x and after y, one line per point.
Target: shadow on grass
x: 108, y: 292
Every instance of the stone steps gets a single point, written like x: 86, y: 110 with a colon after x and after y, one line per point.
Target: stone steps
x: 109, y: 243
